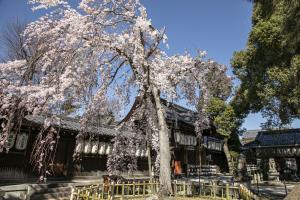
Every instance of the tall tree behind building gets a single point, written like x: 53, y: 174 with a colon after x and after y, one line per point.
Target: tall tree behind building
x: 269, y: 67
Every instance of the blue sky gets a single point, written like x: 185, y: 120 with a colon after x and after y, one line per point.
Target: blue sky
x: 218, y: 26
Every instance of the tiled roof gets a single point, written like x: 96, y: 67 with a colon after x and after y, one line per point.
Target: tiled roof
x: 279, y: 137
x: 179, y: 113
x: 74, y: 125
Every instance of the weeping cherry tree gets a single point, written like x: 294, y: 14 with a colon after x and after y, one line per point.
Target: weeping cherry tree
x: 96, y: 56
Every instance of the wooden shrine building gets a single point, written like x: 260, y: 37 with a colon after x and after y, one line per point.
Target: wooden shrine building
x: 15, y: 165
x: 281, y: 145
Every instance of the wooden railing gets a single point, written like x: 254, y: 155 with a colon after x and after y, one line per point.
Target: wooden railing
x: 144, y: 189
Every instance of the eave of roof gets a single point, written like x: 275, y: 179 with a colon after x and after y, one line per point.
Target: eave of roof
x: 74, y: 125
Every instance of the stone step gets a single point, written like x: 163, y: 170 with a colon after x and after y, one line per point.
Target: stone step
x: 55, y: 195
x: 46, y: 188
x: 59, y: 189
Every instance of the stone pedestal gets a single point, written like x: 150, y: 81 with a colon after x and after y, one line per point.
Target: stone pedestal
x: 241, y: 168
x: 273, y: 174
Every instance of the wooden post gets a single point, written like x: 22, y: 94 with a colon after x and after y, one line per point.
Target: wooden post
x: 214, y: 189
x: 72, y: 193
x: 144, y: 188
x: 133, y: 188
x: 200, y: 189
x: 222, y: 192
x: 227, y: 191
x: 102, y: 193
x: 122, y: 195
x: 175, y: 188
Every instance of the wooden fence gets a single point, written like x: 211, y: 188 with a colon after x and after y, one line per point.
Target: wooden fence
x: 144, y: 189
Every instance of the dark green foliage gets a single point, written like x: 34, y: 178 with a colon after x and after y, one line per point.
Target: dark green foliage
x: 222, y: 116
x: 269, y: 67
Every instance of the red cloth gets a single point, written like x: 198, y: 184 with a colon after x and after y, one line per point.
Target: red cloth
x: 177, y: 167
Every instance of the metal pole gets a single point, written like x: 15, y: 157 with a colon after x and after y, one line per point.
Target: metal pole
x: 286, y: 193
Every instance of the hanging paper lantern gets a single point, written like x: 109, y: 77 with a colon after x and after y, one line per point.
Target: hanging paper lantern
x: 195, y: 141
x: 177, y: 137
x: 108, y: 149
x: 289, y: 152
x: 185, y: 140
x: 21, y: 142
x: 143, y: 154
x: 11, y: 140
x: 293, y: 150
x: 190, y: 140
x: 95, y: 146
x: 298, y: 151
x: 79, y: 146
x: 102, y: 148
x: 181, y: 139
x: 138, y: 152
x: 87, y: 147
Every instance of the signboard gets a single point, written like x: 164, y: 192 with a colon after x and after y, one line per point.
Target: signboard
x: 11, y: 140
x: 21, y: 142
x: 213, y: 143
x: 187, y: 140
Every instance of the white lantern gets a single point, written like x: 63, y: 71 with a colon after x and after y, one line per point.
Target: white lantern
x: 293, y: 150
x: 87, y: 147
x: 146, y: 153
x: 195, y: 141
x: 11, y: 140
x: 183, y: 138
x: 190, y: 140
x: 95, y: 146
x: 108, y: 149
x: 102, y: 147
x: 177, y: 137
x: 143, y: 153
x: 138, y: 152
x: 298, y: 151
x: 21, y: 142
x: 79, y: 146
x: 187, y: 140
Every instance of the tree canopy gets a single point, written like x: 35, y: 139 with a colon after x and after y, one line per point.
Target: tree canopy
x: 269, y: 67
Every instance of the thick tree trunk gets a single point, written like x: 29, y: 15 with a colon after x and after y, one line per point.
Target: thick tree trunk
x: 164, y: 147
x: 228, y: 156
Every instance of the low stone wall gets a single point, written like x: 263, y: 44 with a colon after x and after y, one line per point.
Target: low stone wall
x: 14, y: 192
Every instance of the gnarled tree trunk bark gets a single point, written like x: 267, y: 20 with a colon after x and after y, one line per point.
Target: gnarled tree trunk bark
x: 164, y: 147
x: 228, y: 156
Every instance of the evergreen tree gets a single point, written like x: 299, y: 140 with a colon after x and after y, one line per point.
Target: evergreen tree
x: 269, y: 67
